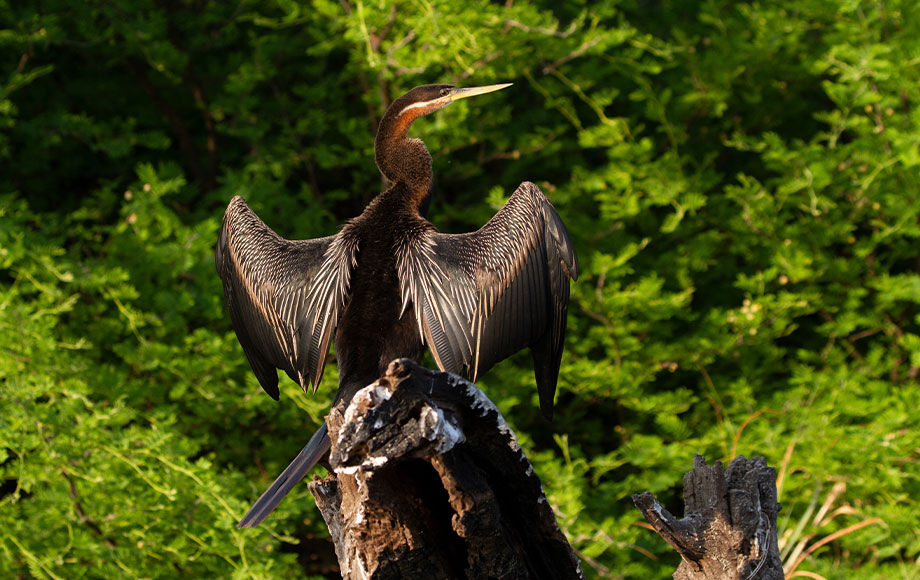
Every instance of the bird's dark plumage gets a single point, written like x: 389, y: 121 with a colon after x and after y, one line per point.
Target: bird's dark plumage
x: 285, y: 297
x: 389, y: 284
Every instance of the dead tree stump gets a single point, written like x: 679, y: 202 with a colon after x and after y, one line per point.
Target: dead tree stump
x: 429, y: 482
x: 729, y: 527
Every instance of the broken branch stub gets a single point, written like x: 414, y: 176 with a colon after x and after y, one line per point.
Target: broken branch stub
x: 429, y: 482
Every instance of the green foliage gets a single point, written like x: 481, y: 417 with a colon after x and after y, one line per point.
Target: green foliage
x: 741, y: 181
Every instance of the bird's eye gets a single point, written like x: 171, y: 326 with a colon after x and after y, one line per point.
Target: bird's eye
x: 445, y: 92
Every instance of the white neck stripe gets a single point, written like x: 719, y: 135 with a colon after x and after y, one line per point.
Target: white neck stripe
x: 420, y: 105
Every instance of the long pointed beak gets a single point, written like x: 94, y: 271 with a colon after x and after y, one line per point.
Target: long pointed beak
x: 425, y: 107
x: 457, y: 94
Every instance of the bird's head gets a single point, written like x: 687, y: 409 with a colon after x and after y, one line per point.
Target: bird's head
x: 403, y: 160
x: 429, y: 98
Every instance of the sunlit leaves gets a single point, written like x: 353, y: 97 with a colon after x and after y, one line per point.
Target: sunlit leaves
x: 740, y: 181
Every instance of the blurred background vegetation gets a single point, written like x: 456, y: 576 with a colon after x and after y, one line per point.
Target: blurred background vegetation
x: 740, y: 179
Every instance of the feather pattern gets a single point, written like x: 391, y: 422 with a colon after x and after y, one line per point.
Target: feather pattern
x: 482, y: 296
x: 285, y: 297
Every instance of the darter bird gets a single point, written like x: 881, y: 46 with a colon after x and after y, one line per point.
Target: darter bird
x: 389, y: 284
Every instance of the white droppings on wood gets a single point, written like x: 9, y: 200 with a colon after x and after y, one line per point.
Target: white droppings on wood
x: 438, y: 428
x: 369, y: 464
x: 369, y: 396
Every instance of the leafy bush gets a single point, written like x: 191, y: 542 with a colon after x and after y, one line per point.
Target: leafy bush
x: 741, y: 181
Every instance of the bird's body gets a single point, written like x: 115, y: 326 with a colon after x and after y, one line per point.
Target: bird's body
x: 373, y: 330
x: 389, y: 285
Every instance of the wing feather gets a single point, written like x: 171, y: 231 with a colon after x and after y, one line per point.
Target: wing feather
x: 481, y: 297
x: 285, y: 297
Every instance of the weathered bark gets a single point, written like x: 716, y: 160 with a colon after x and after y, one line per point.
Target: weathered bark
x: 729, y: 527
x: 429, y: 482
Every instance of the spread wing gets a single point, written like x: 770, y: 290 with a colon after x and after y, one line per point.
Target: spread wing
x: 285, y: 297
x: 482, y: 296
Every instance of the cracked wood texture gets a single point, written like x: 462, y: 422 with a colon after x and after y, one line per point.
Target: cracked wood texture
x: 428, y: 481
x: 729, y: 527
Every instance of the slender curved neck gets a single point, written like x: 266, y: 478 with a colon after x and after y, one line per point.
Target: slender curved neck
x: 403, y: 160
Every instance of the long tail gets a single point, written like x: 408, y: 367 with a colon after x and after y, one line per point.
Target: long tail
x: 291, y: 476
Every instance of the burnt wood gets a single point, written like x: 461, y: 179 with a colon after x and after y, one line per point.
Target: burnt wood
x: 728, y: 531
x: 429, y: 481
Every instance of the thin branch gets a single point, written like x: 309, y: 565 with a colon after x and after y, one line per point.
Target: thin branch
x: 178, y: 126
x: 478, y: 65
x: 210, y: 129
x: 78, y: 508
x: 831, y: 537
x: 578, y: 52
x: 398, y: 69
x: 511, y: 23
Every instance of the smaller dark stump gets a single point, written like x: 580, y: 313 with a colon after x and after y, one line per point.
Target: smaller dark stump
x: 729, y: 528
